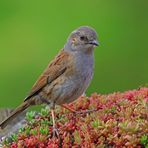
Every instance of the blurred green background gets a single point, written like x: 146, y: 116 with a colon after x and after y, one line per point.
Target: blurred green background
x: 33, y: 31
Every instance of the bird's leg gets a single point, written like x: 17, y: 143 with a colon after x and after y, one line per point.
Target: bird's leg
x: 52, y: 107
x: 54, y: 130
x: 68, y: 108
x: 77, y: 112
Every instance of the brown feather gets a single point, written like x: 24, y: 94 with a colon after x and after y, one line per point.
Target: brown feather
x: 54, y: 70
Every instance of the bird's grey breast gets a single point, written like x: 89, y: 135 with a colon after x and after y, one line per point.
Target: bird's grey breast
x: 84, y: 64
x: 78, y: 82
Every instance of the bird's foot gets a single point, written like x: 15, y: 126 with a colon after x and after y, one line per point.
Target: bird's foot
x: 55, y: 133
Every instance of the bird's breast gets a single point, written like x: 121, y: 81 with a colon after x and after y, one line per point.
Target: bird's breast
x: 82, y: 74
x: 84, y: 65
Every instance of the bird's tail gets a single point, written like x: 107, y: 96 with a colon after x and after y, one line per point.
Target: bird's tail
x: 13, y: 115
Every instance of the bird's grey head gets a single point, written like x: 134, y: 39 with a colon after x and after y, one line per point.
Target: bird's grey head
x: 82, y: 39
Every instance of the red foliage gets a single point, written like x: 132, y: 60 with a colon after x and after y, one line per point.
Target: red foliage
x: 121, y: 120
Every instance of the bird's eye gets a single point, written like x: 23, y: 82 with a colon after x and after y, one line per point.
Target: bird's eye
x: 82, y: 38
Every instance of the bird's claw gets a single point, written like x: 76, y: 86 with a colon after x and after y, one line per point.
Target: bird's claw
x: 55, y: 132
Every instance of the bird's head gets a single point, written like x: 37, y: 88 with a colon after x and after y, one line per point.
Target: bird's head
x: 82, y: 39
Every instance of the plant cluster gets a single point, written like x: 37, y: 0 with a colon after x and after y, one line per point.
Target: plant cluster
x: 120, y: 120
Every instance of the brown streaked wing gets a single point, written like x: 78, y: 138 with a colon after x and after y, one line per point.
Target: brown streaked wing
x: 56, y: 68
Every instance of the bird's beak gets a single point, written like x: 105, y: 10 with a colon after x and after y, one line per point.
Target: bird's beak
x: 94, y: 42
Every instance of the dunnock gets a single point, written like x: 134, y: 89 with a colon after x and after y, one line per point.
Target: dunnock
x: 67, y: 76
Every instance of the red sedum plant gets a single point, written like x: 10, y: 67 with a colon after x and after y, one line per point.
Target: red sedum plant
x: 120, y: 120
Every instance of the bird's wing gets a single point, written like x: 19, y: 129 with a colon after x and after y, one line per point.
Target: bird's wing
x: 56, y: 68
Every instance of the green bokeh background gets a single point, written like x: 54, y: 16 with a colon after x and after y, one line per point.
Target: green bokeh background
x: 33, y: 31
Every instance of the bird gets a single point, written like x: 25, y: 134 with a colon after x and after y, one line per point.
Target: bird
x: 66, y: 77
